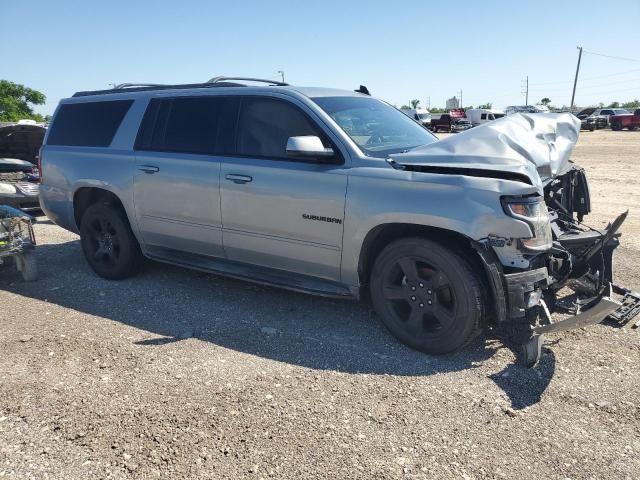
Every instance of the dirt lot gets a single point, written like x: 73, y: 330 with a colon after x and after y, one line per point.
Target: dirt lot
x: 178, y: 374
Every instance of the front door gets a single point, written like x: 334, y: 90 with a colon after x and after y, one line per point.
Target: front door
x: 280, y: 212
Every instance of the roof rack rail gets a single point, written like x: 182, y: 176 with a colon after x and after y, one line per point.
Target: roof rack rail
x: 248, y: 79
x: 143, y: 87
x: 130, y: 85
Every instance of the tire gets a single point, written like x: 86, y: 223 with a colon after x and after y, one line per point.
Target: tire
x: 427, y: 296
x: 616, y: 126
x: 108, y: 243
x: 28, y: 267
x: 632, y: 128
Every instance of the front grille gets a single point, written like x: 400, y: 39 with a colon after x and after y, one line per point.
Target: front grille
x: 28, y: 188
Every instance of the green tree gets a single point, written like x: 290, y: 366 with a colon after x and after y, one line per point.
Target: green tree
x: 545, y: 101
x: 415, y: 103
x: 486, y: 106
x: 16, y: 102
x: 614, y: 105
x: 405, y: 107
x: 632, y: 104
x: 437, y: 110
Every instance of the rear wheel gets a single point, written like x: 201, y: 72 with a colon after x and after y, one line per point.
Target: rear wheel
x: 427, y: 296
x: 108, y: 243
x: 617, y: 126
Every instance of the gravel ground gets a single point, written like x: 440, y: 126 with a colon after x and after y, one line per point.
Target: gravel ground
x: 179, y: 374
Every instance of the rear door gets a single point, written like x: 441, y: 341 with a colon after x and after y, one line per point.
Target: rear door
x: 281, y: 212
x: 177, y: 185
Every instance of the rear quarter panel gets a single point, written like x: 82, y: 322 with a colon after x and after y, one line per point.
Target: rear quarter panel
x: 66, y: 169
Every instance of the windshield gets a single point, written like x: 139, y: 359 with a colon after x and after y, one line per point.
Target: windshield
x: 424, y: 116
x: 376, y: 127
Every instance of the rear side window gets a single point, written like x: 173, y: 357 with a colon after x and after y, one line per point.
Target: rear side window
x: 91, y: 124
x: 200, y: 125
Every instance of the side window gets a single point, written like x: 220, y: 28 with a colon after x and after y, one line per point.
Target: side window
x: 200, y: 125
x: 266, y: 124
x: 606, y: 112
x: 88, y: 124
x: 483, y: 116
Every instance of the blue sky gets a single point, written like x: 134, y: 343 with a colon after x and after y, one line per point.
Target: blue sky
x: 399, y: 49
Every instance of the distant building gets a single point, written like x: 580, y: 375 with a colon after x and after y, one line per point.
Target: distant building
x: 453, y: 102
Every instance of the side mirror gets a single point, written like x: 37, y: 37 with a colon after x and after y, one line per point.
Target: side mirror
x: 308, y: 146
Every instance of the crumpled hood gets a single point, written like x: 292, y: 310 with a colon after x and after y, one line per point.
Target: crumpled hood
x: 537, y: 145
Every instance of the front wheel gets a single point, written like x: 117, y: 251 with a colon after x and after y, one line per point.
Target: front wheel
x: 108, y: 243
x: 616, y: 126
x: 427, y: 296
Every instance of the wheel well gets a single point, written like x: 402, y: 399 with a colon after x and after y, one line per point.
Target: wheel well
x: 87, y: 196
x: 382, y: 235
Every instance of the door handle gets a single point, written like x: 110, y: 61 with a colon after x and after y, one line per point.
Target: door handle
x: 238, y: 178
x: 148, y: 169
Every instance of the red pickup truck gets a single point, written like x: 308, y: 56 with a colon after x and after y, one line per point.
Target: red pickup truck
x: 618, y: 122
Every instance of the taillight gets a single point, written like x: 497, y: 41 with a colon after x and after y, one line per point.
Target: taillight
x: 40, y: 164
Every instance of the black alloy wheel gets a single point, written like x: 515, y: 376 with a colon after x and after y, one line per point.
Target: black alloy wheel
x: 427, y: 296
x: 108, y: 243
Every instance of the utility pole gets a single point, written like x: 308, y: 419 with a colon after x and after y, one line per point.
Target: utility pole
x: 461, y: 99
x: 428, y: 103
x: 281, y: 72
x: 575, y: 81
x: 525, y: 90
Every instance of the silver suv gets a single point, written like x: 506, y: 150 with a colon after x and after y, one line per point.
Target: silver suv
x: 334, y: 193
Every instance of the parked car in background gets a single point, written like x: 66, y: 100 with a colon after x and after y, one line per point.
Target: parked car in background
x: 18, y: 184
x: 604, y: 114
x: 589, y: 119
x: 441, y: 122
x: 22, y: 141
x: 420, y: 115
x: 630, y: 122
x: 460, y: 125
x: 478, y: 116
x: 19, y: 176
x: 587, y: 124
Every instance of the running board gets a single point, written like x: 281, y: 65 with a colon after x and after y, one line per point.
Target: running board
x: 251, y: 273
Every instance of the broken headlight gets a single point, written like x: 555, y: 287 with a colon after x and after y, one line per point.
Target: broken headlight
x: 533, y: 211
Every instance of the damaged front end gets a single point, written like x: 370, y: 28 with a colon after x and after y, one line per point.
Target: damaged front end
x: 564, y: 266
x: 572, y: 277
x: 580, y: 263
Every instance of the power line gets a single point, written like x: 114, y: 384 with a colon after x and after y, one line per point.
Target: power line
x: 596, y: 77
x: 613, y: 56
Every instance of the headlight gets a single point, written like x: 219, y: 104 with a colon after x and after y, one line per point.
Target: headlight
x: 533, y: 211
x: 7, y: 188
